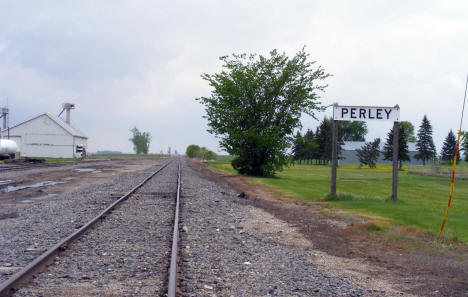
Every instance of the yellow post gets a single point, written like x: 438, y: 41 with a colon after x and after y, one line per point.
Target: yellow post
x: 452, y: 183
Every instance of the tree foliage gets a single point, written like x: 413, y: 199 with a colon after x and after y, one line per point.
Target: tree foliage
x: 324, y: 139
x: 305, y: 147
x: 317, y: 146
x: 206, y: 154
x: 448, y: 148
x: 403, y: 154
x: 464, y: 144
x: 194, y: 151
x: 408, y: 129
x: 369, y: 153
x: 298, y: 147
x: 140, y: 140
x: 425, y: 144
x: 352, y: 130
x: 256, y: 104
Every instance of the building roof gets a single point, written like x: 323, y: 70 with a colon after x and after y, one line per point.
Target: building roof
x: 353, y: 145
x: 67, y: 127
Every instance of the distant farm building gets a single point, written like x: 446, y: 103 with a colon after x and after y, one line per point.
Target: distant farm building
x: 46, y: 135
x: 349, y: 154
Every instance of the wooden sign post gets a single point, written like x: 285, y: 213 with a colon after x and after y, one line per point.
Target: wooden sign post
x: 365, y: 113
x: 334, y: 156
x: 395, y: 149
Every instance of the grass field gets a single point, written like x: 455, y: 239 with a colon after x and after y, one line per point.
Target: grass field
x: 224, y: 158
x: 422, y: 200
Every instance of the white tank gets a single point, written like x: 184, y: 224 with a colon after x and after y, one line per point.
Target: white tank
x: 8, y: 147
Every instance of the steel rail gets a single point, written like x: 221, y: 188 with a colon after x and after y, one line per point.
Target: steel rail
x: 8, y: 287
x: 172, y: 286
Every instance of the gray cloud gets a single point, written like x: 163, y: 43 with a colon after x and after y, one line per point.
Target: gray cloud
x: 127, y: 63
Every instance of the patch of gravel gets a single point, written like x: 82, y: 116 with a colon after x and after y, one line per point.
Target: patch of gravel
x: 127, y: 254
x: 232, y: 249
x: 48, y: 167
x: 28, y: 230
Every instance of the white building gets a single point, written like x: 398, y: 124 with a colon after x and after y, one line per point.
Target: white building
x: 46, y: 135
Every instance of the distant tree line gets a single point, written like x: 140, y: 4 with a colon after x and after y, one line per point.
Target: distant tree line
x: 426, y: 151
x: 315, y: 147
x: 195, y: 151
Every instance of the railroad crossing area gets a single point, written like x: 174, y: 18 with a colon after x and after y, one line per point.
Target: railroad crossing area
x: 158, y: 228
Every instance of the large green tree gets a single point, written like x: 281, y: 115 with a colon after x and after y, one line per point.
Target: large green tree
x: 140, y: 140
x: 403, y: 154
x: 448, y: 148
x: 425, y: 143
x: 256, y: 103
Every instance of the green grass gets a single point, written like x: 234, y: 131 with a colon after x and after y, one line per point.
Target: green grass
x: 224, y: 158
x: 58, y: 160
x: 422, y: 200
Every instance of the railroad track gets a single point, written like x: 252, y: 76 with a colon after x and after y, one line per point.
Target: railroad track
x: 27, y: 165
x: 144, y: 200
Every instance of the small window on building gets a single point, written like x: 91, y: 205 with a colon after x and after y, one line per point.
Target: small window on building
x: 79, y: 148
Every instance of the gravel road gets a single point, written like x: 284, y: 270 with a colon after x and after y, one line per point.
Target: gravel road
x: 43, y: 223
x: 125, y: 255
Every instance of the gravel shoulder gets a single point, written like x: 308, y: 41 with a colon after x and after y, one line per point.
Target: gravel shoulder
x: 231, y: 248
x: 342, y: 246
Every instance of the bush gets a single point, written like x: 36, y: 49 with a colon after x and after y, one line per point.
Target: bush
x: 192, y: 151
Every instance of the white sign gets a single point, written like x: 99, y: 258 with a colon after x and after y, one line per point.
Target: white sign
x: 366, y: 113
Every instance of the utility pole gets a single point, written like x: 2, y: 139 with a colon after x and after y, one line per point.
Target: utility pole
x: 4, y: 116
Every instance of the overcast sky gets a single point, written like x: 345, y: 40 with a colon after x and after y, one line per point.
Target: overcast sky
x: 138, y: 63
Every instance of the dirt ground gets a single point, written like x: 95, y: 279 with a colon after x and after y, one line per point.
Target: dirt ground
x: 25, y: 186
x: 415, y: 264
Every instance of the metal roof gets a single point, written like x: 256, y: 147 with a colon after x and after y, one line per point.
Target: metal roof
x: 67, y: 127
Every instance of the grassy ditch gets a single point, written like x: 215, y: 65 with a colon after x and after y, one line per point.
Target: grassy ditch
x: 422, y: 200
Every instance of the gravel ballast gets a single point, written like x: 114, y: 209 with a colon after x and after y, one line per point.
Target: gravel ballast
x: 39, y: 225
x: 124, y: 255
x: 227, y: 248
